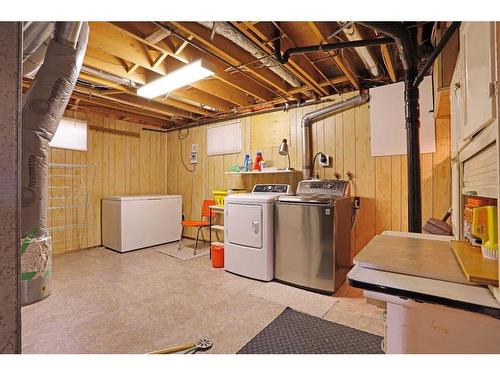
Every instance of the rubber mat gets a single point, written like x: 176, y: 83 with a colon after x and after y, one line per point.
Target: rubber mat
x: 293, y: 332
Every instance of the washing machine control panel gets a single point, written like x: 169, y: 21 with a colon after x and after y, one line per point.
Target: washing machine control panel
x: 272, y: 188
x: 328, y: 187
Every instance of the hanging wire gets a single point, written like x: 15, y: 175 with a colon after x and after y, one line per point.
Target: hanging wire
x: 182, y: 134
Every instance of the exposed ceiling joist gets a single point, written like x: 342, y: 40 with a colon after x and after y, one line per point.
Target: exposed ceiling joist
x: 336, y: 58
x: 232, y: 53
x: 293, y: 66
x: 184, y: 108
x: 389, y: 64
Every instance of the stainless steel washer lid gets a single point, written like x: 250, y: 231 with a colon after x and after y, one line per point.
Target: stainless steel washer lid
x: 308, y: 199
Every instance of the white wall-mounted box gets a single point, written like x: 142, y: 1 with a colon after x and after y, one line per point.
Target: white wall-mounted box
x: 387, y: 119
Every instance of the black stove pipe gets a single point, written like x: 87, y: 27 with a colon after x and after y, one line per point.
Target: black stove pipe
x: 408, y: 58
x: 283, y: 59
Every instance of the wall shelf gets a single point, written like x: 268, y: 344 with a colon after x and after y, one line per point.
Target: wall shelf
x: 282, y: 171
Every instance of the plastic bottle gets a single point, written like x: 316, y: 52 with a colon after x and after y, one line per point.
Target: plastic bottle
x: 256, y: 163
x: 246, y: 163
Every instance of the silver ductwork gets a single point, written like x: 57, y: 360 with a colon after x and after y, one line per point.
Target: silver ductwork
x: 228, y: 32
x: 34, y: 35
x: 43, y: 108
x: 352, y: 33
x: 36, y: 38
x: 317, y: 115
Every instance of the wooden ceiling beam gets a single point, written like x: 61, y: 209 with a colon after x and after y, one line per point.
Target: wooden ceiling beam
x: 109, y: 39
x: 292, y: 65
x: 186, y: 54
x: 204, y: 94
x: 335, y: 80
x: 202, y: 97
x: 149, y: 41
x: 389, y: 64
x: 121, y: 115
x: 222, y: 90
x: 157, y: 36
x: 231, y: 53
x: 167, y: 101
x: 336, y: 57
x: 118, y: 107
x: 136, y: 102
x: 103, y: 61
x: 235, y: 79
x: 183, y: 45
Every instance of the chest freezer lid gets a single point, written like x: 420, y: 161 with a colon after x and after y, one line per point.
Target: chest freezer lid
x: 140, y: 197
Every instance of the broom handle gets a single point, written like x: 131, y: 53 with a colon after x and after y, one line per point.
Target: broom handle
x: 174, y: 349
x: 447, y: 215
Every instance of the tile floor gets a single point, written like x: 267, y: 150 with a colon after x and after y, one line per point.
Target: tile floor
x: 137, y: 302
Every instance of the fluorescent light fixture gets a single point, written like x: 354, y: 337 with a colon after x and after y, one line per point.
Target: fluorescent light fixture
x: 181, y: 77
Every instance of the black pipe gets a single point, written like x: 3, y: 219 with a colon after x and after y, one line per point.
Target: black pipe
x: 442, y: 43
x: 283, y: 59
x: 407, y: 54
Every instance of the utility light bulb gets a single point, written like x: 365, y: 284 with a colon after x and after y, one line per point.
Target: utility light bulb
x: 181, y: 77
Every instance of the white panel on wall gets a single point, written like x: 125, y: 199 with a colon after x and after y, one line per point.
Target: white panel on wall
x: 71, y: 134
x: 224, y: 138
x: 387, y: 119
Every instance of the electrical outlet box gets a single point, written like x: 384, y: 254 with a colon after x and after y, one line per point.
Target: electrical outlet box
x: 193, y: 159
x: 324, y: 160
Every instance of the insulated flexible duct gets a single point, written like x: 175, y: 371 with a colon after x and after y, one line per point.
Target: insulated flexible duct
x: 242, y: 41
x: 36, y: 38
x: 352, y: 33
x: 321, y: 113
x: 43, y: 108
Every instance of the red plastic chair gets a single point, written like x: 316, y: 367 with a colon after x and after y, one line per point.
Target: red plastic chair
x: 205, y: 213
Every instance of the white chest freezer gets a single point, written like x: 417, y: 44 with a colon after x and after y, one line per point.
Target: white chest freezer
x: 133, y: 222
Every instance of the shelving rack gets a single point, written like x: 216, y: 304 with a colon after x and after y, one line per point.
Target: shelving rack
x: 70, y: 194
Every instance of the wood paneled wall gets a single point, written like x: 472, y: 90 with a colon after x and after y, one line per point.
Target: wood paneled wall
x: 381, y: 182
x: 119, y: 164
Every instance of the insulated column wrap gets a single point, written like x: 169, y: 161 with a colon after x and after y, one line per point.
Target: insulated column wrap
x: 43, y: 108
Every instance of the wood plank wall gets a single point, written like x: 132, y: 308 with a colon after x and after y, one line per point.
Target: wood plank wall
x: 381, y: 182
x: 123, y: 164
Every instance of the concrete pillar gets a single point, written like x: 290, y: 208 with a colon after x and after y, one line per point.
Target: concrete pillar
x: 10, y: 130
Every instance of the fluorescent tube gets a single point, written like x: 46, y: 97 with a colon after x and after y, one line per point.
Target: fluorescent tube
x: 181, y: 77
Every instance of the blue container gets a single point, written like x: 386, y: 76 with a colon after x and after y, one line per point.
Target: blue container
x: 246, y: 163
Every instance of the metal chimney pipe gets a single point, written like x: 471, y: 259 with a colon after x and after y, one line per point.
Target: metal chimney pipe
x: 314, y: 116
x: 408, y: 57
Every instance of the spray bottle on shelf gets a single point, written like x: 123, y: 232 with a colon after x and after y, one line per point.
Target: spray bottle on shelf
x: 257, y: 161
x: 246, y: 163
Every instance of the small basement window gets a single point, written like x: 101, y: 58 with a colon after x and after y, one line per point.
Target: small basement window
x: 71, y: 134
x: 224, y: 138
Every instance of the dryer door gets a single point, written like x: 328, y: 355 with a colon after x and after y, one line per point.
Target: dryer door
x: 244, y: 224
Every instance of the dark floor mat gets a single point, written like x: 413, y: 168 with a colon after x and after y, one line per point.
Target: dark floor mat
x: 293, y: 332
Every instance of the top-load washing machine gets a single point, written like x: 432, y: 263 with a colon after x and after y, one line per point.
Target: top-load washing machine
x: 313, y: 235
x: 249, y: 231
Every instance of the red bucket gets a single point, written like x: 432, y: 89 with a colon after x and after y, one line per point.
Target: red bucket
x: 217, y: 252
